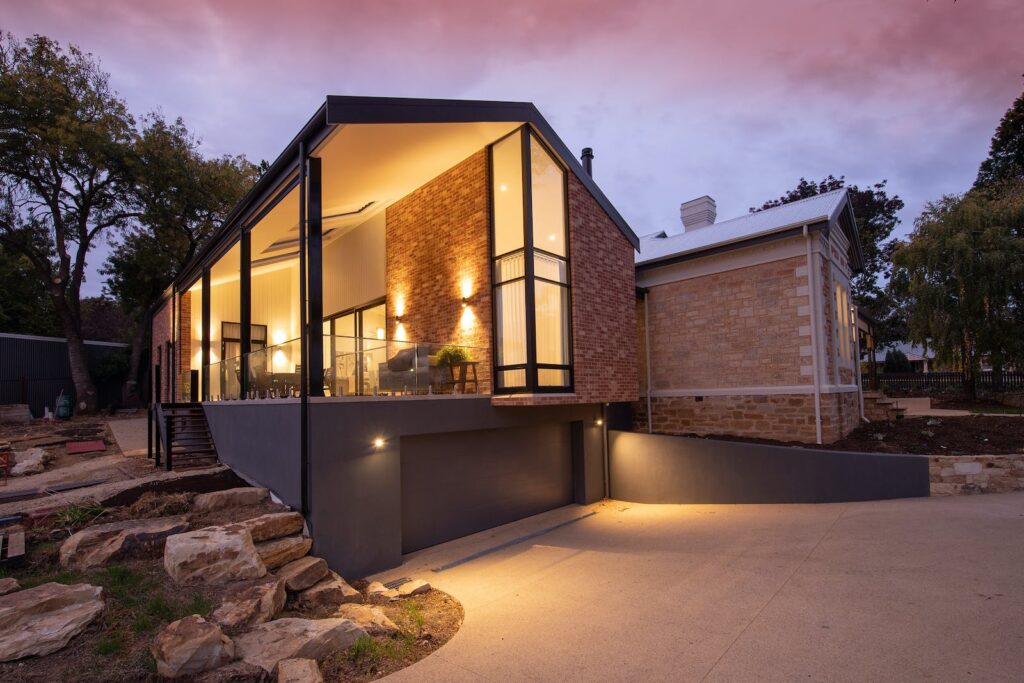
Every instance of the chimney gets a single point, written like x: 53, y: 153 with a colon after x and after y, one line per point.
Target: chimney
x: 588, y: 160
x: 698, y: 213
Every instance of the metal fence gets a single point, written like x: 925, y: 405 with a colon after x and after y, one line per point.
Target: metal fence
x: 35, y: 370
x: 909, y: 381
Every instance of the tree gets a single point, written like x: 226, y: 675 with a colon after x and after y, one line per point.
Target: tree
x: 25, y: 307
x: 876, y: 215
x: 962, y: 271
x: 65, y: 174
x: 182, y: 198
x: 1005, y: 162
x: 896, y: 361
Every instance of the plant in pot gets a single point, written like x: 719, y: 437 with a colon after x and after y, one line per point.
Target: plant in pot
x: 451, y: 354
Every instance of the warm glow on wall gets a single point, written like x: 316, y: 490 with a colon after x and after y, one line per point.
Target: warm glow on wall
x: 380, y: 333
x: 280, y: 361
x: 400, y: 334
x: 468, y: 320
x: 278, y: 337
x: 198, y: 359
x: 399, y: 305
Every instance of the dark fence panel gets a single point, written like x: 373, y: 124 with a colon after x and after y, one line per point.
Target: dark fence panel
x: 908, y: 381
x: 35, y: 370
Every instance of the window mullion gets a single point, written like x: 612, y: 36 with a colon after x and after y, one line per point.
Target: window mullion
x: 531, y: 313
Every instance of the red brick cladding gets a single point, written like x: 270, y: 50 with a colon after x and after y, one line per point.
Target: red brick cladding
x: 160, y: 335
x: 437, y: 237
x: 604, y: 329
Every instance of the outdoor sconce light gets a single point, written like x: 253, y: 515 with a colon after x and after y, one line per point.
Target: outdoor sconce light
x: 398, y: 319
x: 378, y: 442
x: 599, y: 422
x: 465, y: 301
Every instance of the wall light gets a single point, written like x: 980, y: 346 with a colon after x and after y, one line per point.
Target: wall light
x: 600, y: 422
x: 277, y: 337
x: 378, y: 442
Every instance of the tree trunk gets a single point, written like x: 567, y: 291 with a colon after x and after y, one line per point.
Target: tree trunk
x: 130, y: 394
x: 85, y: 391
x: 970, y: 386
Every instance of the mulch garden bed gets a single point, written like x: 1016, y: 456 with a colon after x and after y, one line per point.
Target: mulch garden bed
x: 141, y: 599
x: 971, y: 435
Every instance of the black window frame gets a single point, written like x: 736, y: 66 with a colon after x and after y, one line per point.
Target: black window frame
x: 529, y: 277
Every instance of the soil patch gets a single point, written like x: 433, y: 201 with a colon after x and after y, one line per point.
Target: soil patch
x: 970, y: 435
x: 426, y: 621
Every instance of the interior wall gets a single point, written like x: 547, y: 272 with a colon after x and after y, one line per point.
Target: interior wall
x: 354, y: 267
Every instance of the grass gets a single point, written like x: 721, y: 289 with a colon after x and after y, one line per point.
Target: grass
x: 415, y: 616
x: 74, y: 517
x: 367, y: 651
x: 998, y: 410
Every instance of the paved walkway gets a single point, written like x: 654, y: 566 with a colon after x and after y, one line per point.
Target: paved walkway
x: 895, y: 590
x: 130, y: 434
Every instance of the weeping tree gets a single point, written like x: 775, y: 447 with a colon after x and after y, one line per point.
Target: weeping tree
x: 66, y: 173
x: 962, y: 272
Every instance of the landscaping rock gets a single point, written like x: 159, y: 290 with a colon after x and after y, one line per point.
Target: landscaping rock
x: 96, y: 545
x: 41, y: 620
x: 299, y: 671
x: 236, y: 672
x: 212, y: 555
x: 30, y: 461
x: 414, y: 587
x: 303, y: 573
x: 231, y: 498
x: 274, y: 525
x: 250, y: 604
x: 9, y: 585
x: 269, y: 643
x: 281, y: 551
x: 329, y: 592
x: 190, y: 646
x: 379, y: 593
x: 370, y: 619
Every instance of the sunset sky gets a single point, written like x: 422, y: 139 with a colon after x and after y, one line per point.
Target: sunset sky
x: 733, y: 98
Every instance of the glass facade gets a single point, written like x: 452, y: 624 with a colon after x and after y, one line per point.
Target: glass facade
x: 530, y: 266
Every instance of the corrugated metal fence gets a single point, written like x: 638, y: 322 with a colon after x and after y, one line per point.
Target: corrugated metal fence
x: 35, y: 370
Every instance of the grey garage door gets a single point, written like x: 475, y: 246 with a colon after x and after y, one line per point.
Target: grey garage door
x: 457, y: 484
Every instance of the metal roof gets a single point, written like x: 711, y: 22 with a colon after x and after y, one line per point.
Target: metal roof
x: 823, y: 208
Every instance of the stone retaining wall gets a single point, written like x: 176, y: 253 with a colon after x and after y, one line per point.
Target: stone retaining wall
x: 961, y: 474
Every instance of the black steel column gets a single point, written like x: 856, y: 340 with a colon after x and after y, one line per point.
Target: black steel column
x: 304, y: 334
x: 245, y: 290
x: 205, y: 373
x: 529, y: 285
x: 315, y: 284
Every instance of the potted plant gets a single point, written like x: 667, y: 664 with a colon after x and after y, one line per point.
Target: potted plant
x: 451, y: 354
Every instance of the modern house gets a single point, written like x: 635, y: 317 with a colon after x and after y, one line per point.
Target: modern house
x: 747, y: 327
x: 411, y: 327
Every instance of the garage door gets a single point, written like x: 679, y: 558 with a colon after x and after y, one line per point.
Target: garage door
x: 458, y: 484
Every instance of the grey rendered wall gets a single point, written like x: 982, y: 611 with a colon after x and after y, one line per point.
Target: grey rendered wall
x: 260, y: 441
x: 656, y: 468
x: 355, y: 488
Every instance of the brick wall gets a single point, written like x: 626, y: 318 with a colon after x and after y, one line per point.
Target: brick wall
x: 437, y: 238
x: 840, y: 415
x: 782, y: 417
x: 184, y: 355
x: 738, y: 328
x: 160, y: 335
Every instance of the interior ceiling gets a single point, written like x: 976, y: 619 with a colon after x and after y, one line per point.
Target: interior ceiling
x: 367, y: 167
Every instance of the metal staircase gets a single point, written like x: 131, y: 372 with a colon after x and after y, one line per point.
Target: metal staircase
x: 180, y: 434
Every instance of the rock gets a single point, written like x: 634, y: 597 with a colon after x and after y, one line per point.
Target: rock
x: 414, y: 587
x: 281, y: 551
x: 379, y: 593
x: 299, y: 671
x: 231, y: 498
x: 236, y: 672
x: 212, y: 555
x: 269, y: 643
x: 9, y: 585
x: 274, y: 525
x: 302, y: 573
x: 96, y: 545
x: 191, y: 646
x: 41, y: 620
x: 246, y: 605
x: 329, y: 592
x: 370, y: 619
x: 934, y: 422
x: 23, y: 469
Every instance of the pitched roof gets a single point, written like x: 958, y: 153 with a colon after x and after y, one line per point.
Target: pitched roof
x: 827, y: 207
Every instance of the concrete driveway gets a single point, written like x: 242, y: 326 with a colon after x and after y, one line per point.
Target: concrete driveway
x: 895, y: 590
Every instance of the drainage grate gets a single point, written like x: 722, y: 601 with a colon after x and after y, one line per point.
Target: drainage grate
x: 391, y: 585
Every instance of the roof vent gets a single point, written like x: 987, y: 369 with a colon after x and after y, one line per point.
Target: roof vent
x: 698, y: 213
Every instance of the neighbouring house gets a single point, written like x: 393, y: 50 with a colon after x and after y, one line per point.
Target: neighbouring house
x: 747, y: 327
x: 411, y: 327
x: 921, y: 360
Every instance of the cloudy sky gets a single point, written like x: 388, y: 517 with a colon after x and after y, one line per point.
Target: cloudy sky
x: 733, y: 98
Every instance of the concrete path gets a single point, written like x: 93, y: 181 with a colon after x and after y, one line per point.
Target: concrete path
x: 130, y: 434
x: 895, y: 590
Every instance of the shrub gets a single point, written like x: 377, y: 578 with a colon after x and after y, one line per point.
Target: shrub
x: 896, y: 361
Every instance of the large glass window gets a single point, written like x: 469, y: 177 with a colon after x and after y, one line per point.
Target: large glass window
x: 530, y: 267
x: 225, y: 313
